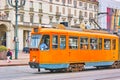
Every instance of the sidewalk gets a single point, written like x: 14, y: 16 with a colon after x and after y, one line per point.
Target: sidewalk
x: 23, y: 59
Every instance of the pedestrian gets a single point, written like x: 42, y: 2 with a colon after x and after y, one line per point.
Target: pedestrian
x: 43, y: 46
x: 8, y: 56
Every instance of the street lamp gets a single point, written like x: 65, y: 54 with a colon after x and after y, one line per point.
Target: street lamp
x: 16, y: 4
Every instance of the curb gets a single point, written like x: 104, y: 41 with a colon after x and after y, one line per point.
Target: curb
x: 13, y: 65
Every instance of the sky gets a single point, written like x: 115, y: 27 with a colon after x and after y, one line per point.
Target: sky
x: 117, y: 0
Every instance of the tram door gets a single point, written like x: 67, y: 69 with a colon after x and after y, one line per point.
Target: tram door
x: 64, y: 52
x: 73, y: 48
x: 59, y: 52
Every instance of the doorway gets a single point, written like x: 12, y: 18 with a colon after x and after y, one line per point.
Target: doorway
x: 3, y: 30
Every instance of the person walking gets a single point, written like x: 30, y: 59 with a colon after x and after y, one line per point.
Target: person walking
x: 8, y: 56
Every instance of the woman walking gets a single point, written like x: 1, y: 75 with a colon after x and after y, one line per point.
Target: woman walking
x: 8, y: 56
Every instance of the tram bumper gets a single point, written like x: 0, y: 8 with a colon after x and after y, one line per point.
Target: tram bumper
x: 34, y: 65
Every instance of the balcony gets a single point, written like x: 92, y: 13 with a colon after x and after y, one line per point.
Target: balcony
x: 81, y: 18
x: 40, y: 11
x: 7, y: 9
x: 21, y: 10
x: 31, y: 9
x: 70, y: 15
x: 58, y: 14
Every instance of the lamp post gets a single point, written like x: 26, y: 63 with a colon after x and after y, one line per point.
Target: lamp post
x: 16, y: 4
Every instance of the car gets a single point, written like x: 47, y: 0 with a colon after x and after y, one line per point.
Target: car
x: 26, y: 49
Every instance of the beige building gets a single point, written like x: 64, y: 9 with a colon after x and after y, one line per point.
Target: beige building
x: 45, y: 12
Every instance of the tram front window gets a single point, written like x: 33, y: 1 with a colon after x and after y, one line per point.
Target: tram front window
x: 35, y: 40
x: 45, y: 42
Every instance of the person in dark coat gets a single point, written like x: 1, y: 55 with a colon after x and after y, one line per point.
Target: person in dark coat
x: 8, y: 56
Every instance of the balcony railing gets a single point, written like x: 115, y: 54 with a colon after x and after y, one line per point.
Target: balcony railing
x: 58, y: 14
x: 40, y: 10
x: 70, y: 15
x: 21, y: 10
x: 31, y: 9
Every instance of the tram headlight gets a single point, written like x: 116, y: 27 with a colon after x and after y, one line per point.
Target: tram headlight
x: 33, y: 60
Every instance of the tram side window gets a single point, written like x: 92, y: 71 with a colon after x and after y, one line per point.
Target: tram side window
x: 113, y: 44
x: 73, y: 42
x: 62, y: 42
x: 107, y: 44
x: 100, y: 43
x: 45, y: 42
x: 93, y: 44
x: 54, y: 41
x: 83, y: 43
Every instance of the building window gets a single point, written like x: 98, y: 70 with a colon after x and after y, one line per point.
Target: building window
x: 50, y: 8
x: 75, y: 12
x: 31, y: 4
x: 21, y: 17
x: 40, y: 19
x: 31, y: 18
x: 90, y: 15
x: 80, y: 13
x: 85, y: 5
x: 57, y: 0
x: 69, y: 11
x: 80, y: 4
x: 85, y: 14
x: 95, y: 8
x: 75, y: 3
x: 63, y: 10
x: 69, y: 1
x: 57, y: 9
x: 40, y: 5
x: 90, y: 5
x: 51, y: 1
x: 73, y: 42
x: 63, y: 1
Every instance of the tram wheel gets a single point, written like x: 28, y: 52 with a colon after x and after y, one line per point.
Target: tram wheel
x: 38, y: 69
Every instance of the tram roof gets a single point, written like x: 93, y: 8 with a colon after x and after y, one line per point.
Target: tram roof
x: 65, y: 31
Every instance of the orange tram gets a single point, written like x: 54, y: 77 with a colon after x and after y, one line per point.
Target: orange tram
x: 70, y: 50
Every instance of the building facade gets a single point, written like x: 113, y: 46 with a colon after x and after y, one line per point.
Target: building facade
x: 43, y: 12
x: 110, y: 19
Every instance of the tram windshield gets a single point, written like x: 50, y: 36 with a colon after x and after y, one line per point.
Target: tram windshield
x: 35, y: 40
